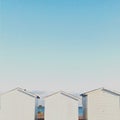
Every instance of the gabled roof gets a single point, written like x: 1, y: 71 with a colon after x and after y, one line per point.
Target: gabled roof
x: 65, y: 94
x: 104, y: 89
x: 23, y: 91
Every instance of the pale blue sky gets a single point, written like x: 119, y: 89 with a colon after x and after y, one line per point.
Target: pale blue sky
x: 60, y: 44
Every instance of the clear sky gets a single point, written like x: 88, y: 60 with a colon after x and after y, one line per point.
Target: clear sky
x: 60, y: 44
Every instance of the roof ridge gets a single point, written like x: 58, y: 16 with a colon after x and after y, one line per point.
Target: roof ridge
x: 22, y: 90
x: 113, y: 91
x: 64, y: 93
x: 92, y: 90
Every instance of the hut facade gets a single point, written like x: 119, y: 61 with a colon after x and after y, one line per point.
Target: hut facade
x: 61, y: 106
x: 101, y: 104
x: 18, y: 104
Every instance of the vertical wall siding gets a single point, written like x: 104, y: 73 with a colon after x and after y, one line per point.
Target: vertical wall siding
x: 60, y: 107
x: 103, y: 106
x: 17, y: 106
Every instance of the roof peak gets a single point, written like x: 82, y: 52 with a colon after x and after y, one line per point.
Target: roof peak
x: 64, y: 93
x: 102, y: 88
x: 23, y: 91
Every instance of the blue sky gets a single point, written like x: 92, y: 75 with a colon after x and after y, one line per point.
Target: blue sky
x: 59, y: 44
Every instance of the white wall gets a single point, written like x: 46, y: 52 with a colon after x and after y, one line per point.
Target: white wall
x: 102, y: 105
x: 16, y: 105
x: 60, y: 107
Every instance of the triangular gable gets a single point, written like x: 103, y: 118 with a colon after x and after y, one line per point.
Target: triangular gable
x: 104, y: 89
x: 23, y: 91
x: 65, y: 94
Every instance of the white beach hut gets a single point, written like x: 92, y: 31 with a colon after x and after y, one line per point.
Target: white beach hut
x: 61, y: 106
x: 18, y: 104
x: 101, y: 104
